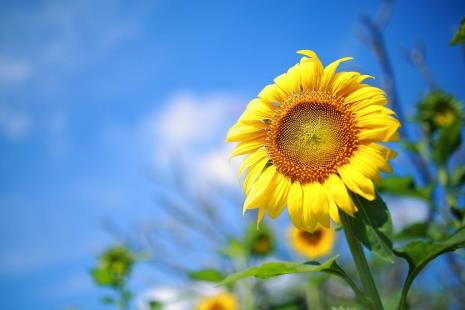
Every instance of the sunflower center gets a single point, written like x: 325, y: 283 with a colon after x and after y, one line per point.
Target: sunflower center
x: 310, y: 136
x: 311, y: 238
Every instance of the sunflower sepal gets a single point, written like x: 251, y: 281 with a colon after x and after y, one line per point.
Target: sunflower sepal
x: 372, y: 226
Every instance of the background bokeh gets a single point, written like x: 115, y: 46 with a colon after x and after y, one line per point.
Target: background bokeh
x: 104, y: 104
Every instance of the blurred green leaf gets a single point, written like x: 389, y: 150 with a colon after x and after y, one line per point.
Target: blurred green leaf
x: 458, y: 176
x: 415, y: 230
x: 107, y: 300
x: 459, y: 36
x: 102, y: 277
x: 155, y: 305
x: 403, y: 186
x: 448, y: 141
x: 269, y: 270
x: 373, y: 227
x: 234, y: 249
x: 207, y: 274
x: 419, y: 253
x: 413, y: 147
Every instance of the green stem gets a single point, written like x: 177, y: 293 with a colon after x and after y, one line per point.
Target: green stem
x: 361, y: 263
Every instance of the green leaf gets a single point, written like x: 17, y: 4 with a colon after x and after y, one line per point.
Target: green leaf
x: 155, y: 305
x: 269, y: 270
x: 458, y: 176
x: 448, y: 141
x: 273, y: 269
x: 207, y: 274
x: 413, y: 231
x: 419, y: 253
x: 373, y: 227
x: 459, y: 36
x: 403, y: 186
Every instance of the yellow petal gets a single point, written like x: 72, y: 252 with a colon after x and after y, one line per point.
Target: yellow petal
x: 357, y: 182
x: 252, y: 160
x: 329, y: 71
x: 257, y: 110
x: 243, y: 132
x: 380, y: 100
x: 363, y: 93
x: 338, y: 192
x: 333, y: 211
x: 316, y: 204
x: 374, y: 110
x: 261, y: 214
x: 279, y: 195
x: 290, y: 82
x: 383, y: 134
x: 253, y: 174
x: 247, y: 147
x: 297, y: 211
x: 258, y: 195
x: 272, y: 94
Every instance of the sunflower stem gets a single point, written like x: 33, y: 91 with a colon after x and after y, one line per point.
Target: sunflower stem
x: 361, y: 263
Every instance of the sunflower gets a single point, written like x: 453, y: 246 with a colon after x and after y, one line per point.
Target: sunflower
x: 223, y: 301
x: 310, y: 139
x: 312, y: 244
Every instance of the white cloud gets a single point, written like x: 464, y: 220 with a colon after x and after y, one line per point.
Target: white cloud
x: 406, y: 211
x: 14, y: 125
x: 12, y: 70
x: 170, y: 297
x: 178, y: 298
x: 189, y: 127
x: 188, y: 119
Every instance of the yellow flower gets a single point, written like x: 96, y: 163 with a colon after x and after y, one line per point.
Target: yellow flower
x: 223, y: 301
x: 312, y: 244
x: 309, y: 138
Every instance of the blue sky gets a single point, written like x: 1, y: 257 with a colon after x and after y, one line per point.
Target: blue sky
x: 95, y: 98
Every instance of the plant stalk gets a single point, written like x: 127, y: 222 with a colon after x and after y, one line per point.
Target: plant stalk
x: 361, y: 263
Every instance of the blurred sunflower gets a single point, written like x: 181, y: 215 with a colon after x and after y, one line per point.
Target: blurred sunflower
x: 223, y: 301
x: 310, y: 136
x: 438, y: 109
x: 259, y: 242
x: 312, y: 244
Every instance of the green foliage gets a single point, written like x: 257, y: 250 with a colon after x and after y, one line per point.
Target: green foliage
x: 459, y: 36
x: 458, y: 176
x: 413, y: 231
x: 155, y: 305
x: 373, y: 227
x: 269, y: 270
x: 448, y: 141
x: 114, y: 266
x: 419, y: 253
x: 207, y: 274
x: 404, y: 186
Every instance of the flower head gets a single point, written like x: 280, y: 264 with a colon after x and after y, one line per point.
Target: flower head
x: 438, y: 110
x: 311, y: 137
x: 259, y: 242
x: 312, y: 244
x: 223, y: 301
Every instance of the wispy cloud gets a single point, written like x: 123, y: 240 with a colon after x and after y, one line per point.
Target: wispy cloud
x: 14, y: 124
x: 13, y: 70
x: 190, y: 131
